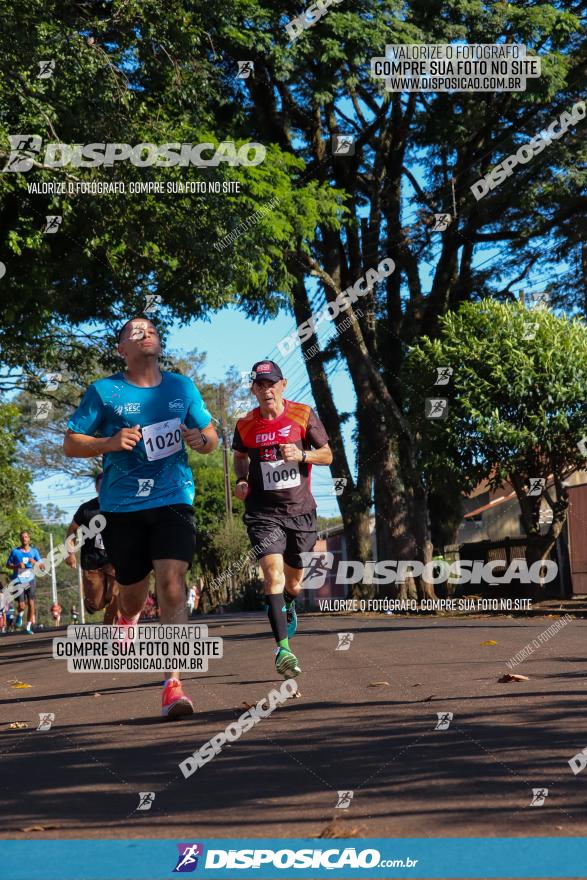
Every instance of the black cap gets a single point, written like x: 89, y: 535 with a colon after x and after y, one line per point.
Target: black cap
x: 266, y: 370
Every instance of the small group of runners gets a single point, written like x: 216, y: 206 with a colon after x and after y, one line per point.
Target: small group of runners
x: 22, y: 560
x: 98, y: 579
x: 140, y: 420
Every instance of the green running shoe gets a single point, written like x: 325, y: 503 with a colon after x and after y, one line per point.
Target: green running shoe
x: 286, y: 663
x: 292, y: 619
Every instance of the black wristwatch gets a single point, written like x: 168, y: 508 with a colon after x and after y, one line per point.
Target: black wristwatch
x: 204, y: 439
x: 303, y: 455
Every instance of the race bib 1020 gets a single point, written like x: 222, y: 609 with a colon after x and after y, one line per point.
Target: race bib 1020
x: 162, y: 439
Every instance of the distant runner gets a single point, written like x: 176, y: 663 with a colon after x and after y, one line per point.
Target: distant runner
x: 98, y: 578
x: 273, y: 458
x: 56, y: 610
x: 139, y: 420
x: 21, y: 561
x: 3, y: 609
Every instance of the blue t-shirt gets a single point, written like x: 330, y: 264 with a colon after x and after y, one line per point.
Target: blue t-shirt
x: 156, y: 472
x: 18, y: 555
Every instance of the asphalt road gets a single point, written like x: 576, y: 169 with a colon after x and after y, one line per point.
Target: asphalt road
x: 82, y: 778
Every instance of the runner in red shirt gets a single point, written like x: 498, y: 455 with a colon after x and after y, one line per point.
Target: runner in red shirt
x: 275, y: 446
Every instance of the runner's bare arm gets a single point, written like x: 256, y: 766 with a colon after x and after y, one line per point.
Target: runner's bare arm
x: 86, y: 446
x: 241, y: 469
x: 291, y: 452
x: 194, y: 437
x: 241, y: 464
x: 70, y: 558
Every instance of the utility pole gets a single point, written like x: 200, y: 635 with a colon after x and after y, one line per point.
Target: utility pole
x: 223, y: 434
x: 53, y: 576
x: 80, y: 588
x: 227, y: 486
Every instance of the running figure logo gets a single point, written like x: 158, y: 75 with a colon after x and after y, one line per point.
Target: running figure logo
x: 344, y: 641
x: 23, y: 151
x: 46, y: 719
x: 344, y: 800
x: 52, y: 223
x: 188, y: 857
x: 146, y: 800
x: 145, y: 487
x: 536, y: 485
x: 316, y: 567
x: 538, y: 796
x: 343, y: 145
x: 436, y: 408
x: 443, y: 375
x: 154, y: 300
x: 52, y: 381
x: 46, y: 69
x: 441, y: 222
x: 245, y: 69
x: 44, y: 409
x: 338, y: 485
x: 444, y: 719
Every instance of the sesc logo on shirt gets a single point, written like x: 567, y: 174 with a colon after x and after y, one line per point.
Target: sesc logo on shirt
x: 127, y: 408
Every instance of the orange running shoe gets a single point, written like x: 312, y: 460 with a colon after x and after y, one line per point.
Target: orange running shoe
x: 174, y: 703
x: 124, y: 639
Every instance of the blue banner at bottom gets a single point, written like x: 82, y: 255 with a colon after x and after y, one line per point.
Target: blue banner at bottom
x: 417, y: 858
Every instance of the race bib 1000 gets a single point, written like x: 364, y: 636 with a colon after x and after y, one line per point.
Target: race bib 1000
x: 162, y: 439
x: 278, y: 475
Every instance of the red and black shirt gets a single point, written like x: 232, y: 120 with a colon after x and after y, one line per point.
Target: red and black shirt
x: 277, y: 486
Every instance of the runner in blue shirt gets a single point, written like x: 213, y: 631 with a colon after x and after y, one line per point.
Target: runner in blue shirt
x: 21, y: 561
x: 140, y: 420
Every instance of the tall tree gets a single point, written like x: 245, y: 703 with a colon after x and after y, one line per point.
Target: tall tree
x: 515, y: 407
x: 130, y: 72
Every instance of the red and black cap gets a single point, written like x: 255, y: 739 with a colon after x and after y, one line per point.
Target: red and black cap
x: 266, y: 370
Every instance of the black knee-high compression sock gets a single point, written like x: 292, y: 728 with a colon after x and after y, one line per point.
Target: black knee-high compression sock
x: 288, y: 597
x: 277, y: 619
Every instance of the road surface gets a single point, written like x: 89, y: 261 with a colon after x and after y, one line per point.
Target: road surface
x: 365, y: 723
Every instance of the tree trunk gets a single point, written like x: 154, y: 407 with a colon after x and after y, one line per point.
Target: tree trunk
x: 538, y: 549
x: 355, y: 500
x: 402, y: 518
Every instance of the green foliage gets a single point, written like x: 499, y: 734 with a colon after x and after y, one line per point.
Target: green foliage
x: 219, y: 542
x: 15, y: 479
x: 516, y: 396
x: 328, y: 522
x: 135, y: 72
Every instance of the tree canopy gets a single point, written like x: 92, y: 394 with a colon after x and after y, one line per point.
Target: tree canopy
x: 133, y: 73
x: 515, y: 403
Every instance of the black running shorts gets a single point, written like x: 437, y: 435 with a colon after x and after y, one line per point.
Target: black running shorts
x: 289, y: 536
x: 29, y: 592
x: 134, y: 539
